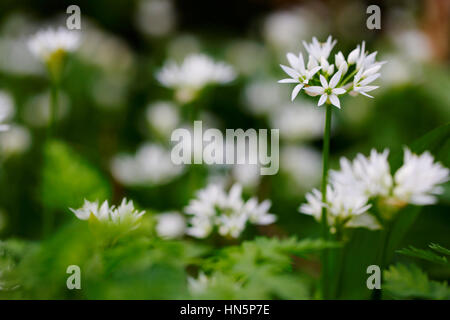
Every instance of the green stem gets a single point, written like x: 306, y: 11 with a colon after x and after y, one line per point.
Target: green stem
x: 324, y: 222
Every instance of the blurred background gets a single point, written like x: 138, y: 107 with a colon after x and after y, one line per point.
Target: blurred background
x: 115, y: 119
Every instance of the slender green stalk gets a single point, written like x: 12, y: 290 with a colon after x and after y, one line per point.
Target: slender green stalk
x: 324, y: 222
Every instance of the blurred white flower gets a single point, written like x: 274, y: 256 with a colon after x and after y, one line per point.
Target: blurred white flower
x: 345, y: 208
x: 170, y: 225
x: 328, y: 91
x: 163, y: 117
x: 7, y: 110
x: 36, y: 112
x: 45, y: 43
x: 124, y: 213
x: 248, y: 57
x: 417, y: 181
x: 196, y: 72
x: 298, y: 121
x: 151, y: 165
x: 248, y: 175
x: 262, y: 96
x: 200, y: 284
x: 156, y: 17
x: 227, y: 211
x: 302, y: 165
x: 371, y: 175
x: 16, y: 140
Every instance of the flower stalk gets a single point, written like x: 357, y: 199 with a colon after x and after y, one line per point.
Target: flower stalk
x: 324, y: 222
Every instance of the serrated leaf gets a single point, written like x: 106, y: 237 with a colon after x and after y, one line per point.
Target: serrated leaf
x: 409, y: 282
x: 424, y: 254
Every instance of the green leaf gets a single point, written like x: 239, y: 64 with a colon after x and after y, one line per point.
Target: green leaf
x: 424, y: 254
x: 439, y: 248
x: 409, y: 282
x: 67, y: 178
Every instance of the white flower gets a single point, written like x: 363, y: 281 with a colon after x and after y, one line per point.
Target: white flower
x: 258, y: 213
x: 170, y: 225
x: 200, y: 284
x: 371, y: 175
x: 7, y: 110
x: 298, y: 73
x: 151, y: 165
x: 92, y: 208
x: 104, y: 213
x: 14, y: 141
x: 320, y: 50
x: 340, y: 62
x: 45, y: 43
x: 196, y: 72
x: 417, y: 180
x: 125, y: 212
x: 345, y: 208
x: 214, y: 207
x: 362, y: 80
x: 328, y: 91
x: 163, y: 117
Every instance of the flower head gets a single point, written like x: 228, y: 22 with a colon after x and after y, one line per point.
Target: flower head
x: 6, y: 110
x: 214, y: 207
x: 125, y: 212
x: 170, y: 225
x: 194, y: 73
x: 46, y: 43
x: 352, y: 75
x: 418, y: 180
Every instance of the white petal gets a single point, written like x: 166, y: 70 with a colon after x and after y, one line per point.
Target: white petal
x: 291, y: 72
x: 293, y: 60
x: 322, y: 99
x: 338, y: 91
x: 290, y: 80
x: 335, y: 100
x: 315, y: 90
x: 324, y: 82
x: 369, y: 79
x: 335, y: 79
x: 296, y: 91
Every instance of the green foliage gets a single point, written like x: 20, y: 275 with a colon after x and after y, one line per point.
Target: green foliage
x: 409, y: 282
x: 428, y: 254
x: 261, y: 269
x: 67, y: 178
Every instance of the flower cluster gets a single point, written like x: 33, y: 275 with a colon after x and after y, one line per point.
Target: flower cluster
x: 320, y: 77
x: 195, y: 72
x: 46, y: 43
x: 124, y: 213
x: 366, y: 178
x: 214, y: 207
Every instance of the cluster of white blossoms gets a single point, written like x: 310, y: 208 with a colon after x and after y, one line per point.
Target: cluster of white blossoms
x: 365, y: 178
x: 7, y: 110
x: 320, y: 77
x: 193, y: 74
x: 125, y: 212
x: 45, y: 43
x: 228, y: 212
x: 151, y: 165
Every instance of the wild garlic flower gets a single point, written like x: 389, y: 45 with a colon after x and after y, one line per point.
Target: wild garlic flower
x: 193, y: 74
x: 417, y: 181
x: 170, y: 225
x: 352, y: 75
x: 371, y: 175
x: 345, y: 208
x: 7, y: 110
x: 228, y: 212
x: 45, y: 44
x: 151, y: 165
x: 368, y: 178
x: 125, y: 212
